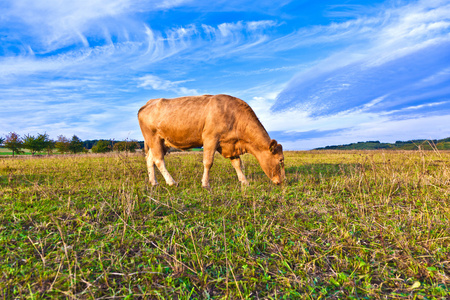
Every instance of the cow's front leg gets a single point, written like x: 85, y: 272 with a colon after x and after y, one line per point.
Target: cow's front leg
x: 151, y: 168
x: 236, y: 162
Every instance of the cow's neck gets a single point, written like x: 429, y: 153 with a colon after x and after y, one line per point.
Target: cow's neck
x: 258, y: 140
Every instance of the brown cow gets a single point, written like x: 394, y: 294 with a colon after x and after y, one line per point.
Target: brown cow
x: 219, y: 122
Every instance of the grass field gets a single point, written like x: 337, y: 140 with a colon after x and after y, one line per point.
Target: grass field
x: 346, y: 225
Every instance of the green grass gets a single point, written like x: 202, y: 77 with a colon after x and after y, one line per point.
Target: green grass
x: 346, y: 225
x: 6, y: 151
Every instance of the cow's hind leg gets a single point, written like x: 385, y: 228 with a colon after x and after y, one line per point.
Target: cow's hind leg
x: 236, y: 162
x: 208, y: 159
x: 158, y: 158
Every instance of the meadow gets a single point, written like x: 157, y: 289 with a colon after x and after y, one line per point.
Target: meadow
x: 345, y: 225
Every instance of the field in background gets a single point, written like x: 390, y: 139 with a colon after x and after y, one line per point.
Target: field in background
x: 349, y: 225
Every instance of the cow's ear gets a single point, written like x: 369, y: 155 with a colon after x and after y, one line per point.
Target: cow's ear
x: 273, y: 146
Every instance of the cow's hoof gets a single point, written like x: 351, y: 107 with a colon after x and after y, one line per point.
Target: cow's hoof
x: 154, y: 183
x: 245, y: 183
x: 173, y: 184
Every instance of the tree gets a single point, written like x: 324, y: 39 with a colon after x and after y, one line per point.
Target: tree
x: 14, y: 143
x: 49, y: 145
x: 76, y: 145
x: 88, y: 144
x: 31, y: 143
x: 102, y: 146
x: 126, y: 146
x: 1, y: 140
x: 62, y: 144
x: 36, y: 144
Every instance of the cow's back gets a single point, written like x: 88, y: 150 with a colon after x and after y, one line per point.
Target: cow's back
x: 179, y: 121
x: 187, y: 122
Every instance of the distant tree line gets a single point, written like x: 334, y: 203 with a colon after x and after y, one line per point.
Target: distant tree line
x: 443, y: 144
x: 103, y: 146
x: 42, y: 143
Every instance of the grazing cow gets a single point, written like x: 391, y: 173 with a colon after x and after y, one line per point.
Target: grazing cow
x: 218, y: 123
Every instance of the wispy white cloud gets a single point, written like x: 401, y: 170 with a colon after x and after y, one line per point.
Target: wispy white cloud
x: 58, y: 23
x: 385, y: 33
x: 55, y: 23
x: 159, y: 84
x: 150, y: 46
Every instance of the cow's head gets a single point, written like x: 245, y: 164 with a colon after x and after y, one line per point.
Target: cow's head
x: 272, y: 162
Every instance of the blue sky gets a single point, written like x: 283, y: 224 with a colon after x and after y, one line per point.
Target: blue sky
x: 316, y: 73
